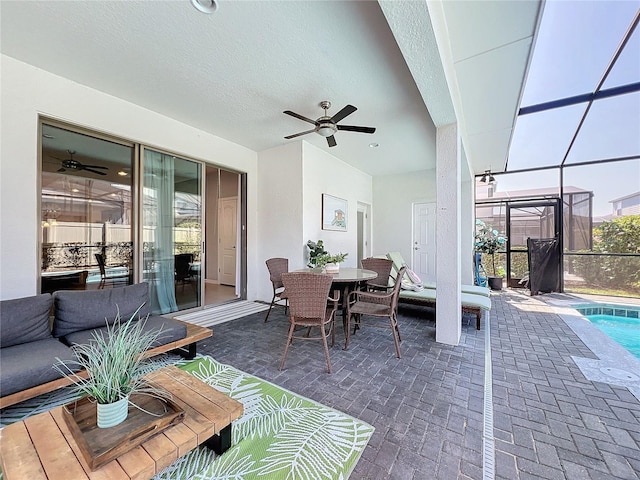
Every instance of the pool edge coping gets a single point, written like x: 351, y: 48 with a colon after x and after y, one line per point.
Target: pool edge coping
x: 613, y: 362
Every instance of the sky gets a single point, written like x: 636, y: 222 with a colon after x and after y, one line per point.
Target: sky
x: 576, y: 42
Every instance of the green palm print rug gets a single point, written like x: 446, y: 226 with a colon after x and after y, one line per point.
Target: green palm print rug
x: 281, y: 435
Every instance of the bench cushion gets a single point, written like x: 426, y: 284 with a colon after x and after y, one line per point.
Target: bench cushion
x: 31, y: 364
x: 474, y: 289
x: 468, y: 300
x: 398, y: 263
x: 83, y: 310
x: 170, y: 331
x: 25, y: 320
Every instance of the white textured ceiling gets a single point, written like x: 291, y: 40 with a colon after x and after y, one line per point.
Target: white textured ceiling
x: 232, y: 73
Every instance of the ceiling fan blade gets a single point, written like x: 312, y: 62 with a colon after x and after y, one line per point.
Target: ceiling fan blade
x: 300, y: 134
x: 97, y: 166
x: 331, y: 141
x: 353, y: 128
x: 62, y: 169
x: 98, y: 172
x: 346, y: 111
x: 293, y: 114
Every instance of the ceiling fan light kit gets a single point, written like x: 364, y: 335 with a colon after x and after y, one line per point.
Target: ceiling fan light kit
x: 205, y: 6
x: 327, y: 126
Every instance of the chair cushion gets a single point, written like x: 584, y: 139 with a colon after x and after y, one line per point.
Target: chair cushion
x: 170, y: 331
x: 31, y: 364
x: 83, y: 310
x: 370, y: 308
x: 24, y: 320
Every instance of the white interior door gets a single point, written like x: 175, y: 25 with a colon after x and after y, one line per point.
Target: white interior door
x: 424, y: 241
x: 228, y: 239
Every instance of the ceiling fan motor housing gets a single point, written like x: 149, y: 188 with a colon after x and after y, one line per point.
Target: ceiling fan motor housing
x: 326, y: 127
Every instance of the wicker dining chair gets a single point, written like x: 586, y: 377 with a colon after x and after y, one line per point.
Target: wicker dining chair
x: 382, y: 266
x: 377, y: 304
x: 276, y: 267
x: 310, y: 306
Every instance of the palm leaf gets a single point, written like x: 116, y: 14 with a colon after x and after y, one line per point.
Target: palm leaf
x: 187, y: 467
x: 230, y: 467
x: 270, y: 416
x: 314, y: 447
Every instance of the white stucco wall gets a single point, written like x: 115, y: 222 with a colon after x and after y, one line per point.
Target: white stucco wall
x: 393, y: 199
x: 280, y: 210
x: 324, y: 173
x: 467, y: 224
x: 292, y: 179
x: 28, y: 92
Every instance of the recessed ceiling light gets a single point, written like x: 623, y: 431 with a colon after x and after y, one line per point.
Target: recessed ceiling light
x: 374, y: 145
x: 122, y: 173
x: 205, y: 6
x: 75, y: 190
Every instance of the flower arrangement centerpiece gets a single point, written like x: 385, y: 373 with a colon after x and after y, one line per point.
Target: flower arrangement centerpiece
x: 316, y: 250
x: 114, y: 362
x: 320, y: 258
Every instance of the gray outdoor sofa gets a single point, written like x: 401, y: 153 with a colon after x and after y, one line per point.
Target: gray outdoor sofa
x: 30, y: 343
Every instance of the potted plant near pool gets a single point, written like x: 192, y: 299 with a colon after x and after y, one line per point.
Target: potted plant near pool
x: 489, y: 241
x: 114, y: 361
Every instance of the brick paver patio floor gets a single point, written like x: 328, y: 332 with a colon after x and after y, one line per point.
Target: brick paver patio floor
x: 550, y: 422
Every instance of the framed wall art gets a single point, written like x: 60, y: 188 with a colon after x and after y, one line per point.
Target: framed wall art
x: 334, y: 213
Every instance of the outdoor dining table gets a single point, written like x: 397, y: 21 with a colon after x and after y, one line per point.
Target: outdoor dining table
x: 345, y: 281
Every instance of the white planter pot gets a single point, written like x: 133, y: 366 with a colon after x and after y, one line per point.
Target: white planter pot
x: 112, y: 414
x: 332, y: 268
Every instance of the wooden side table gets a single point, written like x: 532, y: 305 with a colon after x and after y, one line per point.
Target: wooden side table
x: 42, y: 446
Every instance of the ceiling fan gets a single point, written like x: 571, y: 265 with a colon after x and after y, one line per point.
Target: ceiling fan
x: 72, y: 164
x: 326, y: 126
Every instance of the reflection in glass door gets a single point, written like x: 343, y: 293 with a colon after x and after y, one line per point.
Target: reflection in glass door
x: 530, y: 220
x: 172, y: 231
x: 86, y: 210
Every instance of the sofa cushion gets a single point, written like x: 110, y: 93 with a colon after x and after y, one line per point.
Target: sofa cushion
x: 82, y: 310
x: 31, y: 364
x: 24, y: 320
x: 170, y: 331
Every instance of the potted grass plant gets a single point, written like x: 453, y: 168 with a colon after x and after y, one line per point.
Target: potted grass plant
x: 114, y: 362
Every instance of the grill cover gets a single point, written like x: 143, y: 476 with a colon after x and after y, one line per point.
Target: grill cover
x: 544, y: 265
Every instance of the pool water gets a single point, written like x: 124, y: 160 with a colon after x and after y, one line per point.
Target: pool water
x: 624, y: 330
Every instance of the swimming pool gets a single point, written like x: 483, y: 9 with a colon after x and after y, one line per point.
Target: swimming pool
x: 619, y: 322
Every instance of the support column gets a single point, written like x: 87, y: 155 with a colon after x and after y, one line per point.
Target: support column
x: 448, y: 239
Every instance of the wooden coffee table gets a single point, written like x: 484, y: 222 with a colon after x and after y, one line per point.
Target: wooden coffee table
x: 42, y: 446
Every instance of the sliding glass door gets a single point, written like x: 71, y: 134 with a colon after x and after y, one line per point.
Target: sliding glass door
x: 172, y: 231
x: 86, y: 208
